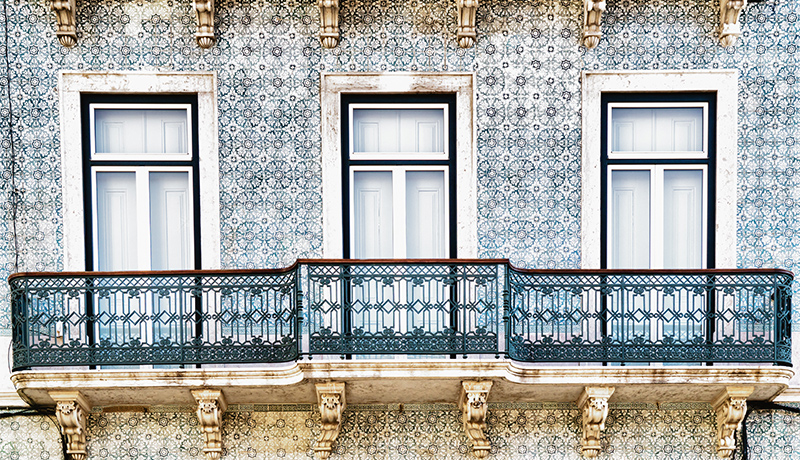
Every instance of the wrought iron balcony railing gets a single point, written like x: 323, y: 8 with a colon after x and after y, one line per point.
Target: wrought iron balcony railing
x: 410, y: 308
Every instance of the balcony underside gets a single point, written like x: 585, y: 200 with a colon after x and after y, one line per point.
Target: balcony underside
x: 400, y: 382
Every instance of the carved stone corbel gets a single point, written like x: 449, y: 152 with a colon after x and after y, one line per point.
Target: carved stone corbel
x: 594, y: 407
x: 210, y: 407
x: 71, y: 410
x: 473, y: 410
x: 730, y: 406
x: 467, y: 31
x: 204, y: 9
x: 330, y: 397
x: 65, y: 22
x: 329, y: 23
x: 592, y: 14
x: 729, y: 27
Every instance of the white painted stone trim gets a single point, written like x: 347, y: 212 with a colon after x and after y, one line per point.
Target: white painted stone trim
x: 724, y: 83
x: 462, y: 84
x: 70, y: 86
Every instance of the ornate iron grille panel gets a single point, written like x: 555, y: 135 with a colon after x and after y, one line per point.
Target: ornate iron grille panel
x: 154, y: 318
x: 400, y: 307
x: 408, y: 307
x: 650, y: 316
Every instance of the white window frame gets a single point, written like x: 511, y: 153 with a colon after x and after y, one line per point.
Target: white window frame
x: 444, y: 155
x: 725, y: 84
x: 638, y: 155
x: 460, y: 84
x: 657, y: 207
x: 142, y: 174
x: 74, y: 83
x: 140, y: 156
x: 399, y: 203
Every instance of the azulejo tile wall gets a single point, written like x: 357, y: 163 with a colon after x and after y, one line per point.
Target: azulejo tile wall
x: 269, y: 61
x: 30, y: 437
x: 517, y: 431
x: 528, y: 63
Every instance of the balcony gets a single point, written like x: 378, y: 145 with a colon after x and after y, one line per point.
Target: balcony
x: 392, y: 328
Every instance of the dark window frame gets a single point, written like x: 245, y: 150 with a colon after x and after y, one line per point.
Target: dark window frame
x: 347, y: 162
x: 710, y: 162
x: 88, y: 163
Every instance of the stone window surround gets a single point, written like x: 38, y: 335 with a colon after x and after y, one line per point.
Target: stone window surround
x: 725, y: 84
x: 462, y: 84
x: 70, y: 86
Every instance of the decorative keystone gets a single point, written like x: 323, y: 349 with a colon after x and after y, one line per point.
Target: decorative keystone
x: 71, y: 410
x: 204, y: 9
x: 594, y: 405
x: 592, y: 14
x: 467, y: 32
x: 330, y: 397
x: 329, y: 23
x: 210, y: 407
x: 473, y: 410
x: 730, y: 406
x: 729, y: 28
x: 65, y: 22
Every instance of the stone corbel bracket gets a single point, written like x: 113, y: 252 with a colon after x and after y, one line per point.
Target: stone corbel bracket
x: 729, y: 28
x: 730, y: 406
x: 592, y: 14
x: 71, y: 410
x: 467, y: 32
x: 593, y: 404
x: 210, y: 407
x: 474, y: 407
x: 66, y: 30
x: 204, y: 9
x: 330, y: 397
x: 329, y: 23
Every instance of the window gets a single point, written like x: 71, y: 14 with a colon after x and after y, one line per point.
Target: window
x: 399, y: 173
x: 658, y: 180
x: 720, y: 89
x: 140, y: 171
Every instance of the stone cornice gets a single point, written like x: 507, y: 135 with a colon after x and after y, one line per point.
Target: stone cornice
x: 392, y: 381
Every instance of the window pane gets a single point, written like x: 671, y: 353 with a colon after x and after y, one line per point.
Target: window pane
x: 141, y: 131
x: 683, y: 218
x: 116, y: 221
x: 372, y: 215
x: 629, y: 225
x: 425, y: 220
x: 398, y: 130
x: 171, y: 225
x: 657, y: 129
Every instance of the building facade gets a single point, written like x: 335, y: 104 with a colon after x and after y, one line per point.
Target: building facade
x: 560, y: 135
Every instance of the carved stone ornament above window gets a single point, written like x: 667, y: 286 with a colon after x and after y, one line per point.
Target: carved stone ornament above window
x: 592, y: 14
x: 210, y: 406
x: 204, y: 9
x: 71, y: 410
x: 593, y: 404
x: 474, y: 406
x: 466, y: 33
x: 730, y: 406
x: 329, y: 23
x: 65, y: 22
x: 330, y: 397
x: 729, y: 28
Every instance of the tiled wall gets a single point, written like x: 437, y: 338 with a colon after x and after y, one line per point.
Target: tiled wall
x: 29, y: 437
x: 268, y: 59
x: 517, y: 431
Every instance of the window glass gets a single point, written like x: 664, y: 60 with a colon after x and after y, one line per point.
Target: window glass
x: 131, y: 131
x: 640, y: 129
x: 385, y: 130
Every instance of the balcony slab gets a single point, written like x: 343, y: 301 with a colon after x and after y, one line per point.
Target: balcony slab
x: 395, y: 382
